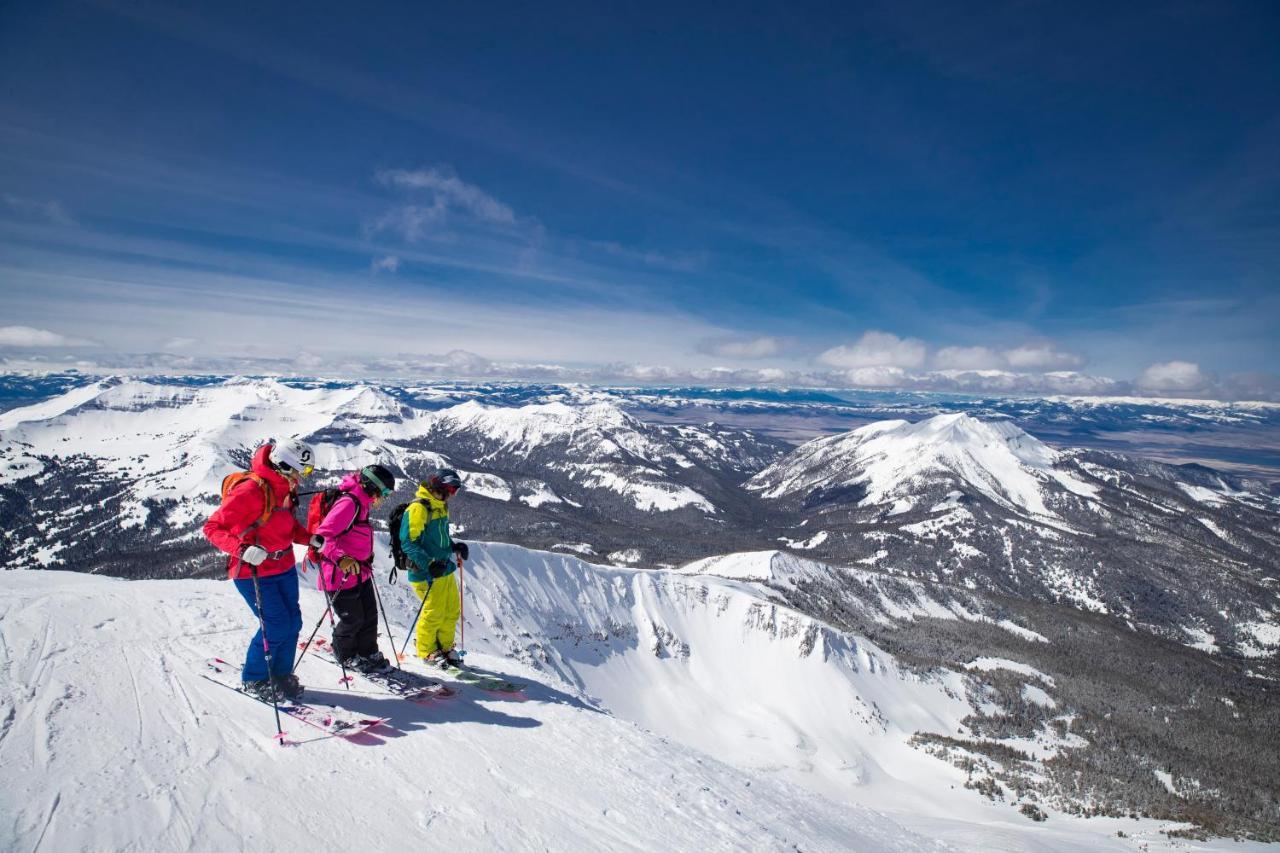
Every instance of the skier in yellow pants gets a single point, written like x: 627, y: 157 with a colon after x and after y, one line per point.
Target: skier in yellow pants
x: 439, y: 620
x: 433, y: 559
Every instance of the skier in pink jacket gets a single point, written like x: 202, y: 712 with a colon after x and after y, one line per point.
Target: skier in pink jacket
x: 346, y: 567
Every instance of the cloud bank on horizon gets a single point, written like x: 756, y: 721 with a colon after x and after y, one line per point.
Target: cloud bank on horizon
x: 1176, y: 379
x: 921, y: 205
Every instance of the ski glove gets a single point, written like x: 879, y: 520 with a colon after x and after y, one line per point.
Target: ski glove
x: 317, y: 541
x: 438, y: 568
x: 461, y: 549
x: 254, y: 555
x: 349, y: 565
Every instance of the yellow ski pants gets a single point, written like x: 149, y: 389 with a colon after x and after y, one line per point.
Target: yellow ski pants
x: 439, y: 617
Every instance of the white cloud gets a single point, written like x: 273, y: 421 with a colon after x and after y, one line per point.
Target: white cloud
x: 52, y: 210
x: 178, y: 343
x: 1042, y: 355
x: 386, y: 263
x: 877, y: 349
x: 1173, y: 376
x: 877, y: 377
x: 753, y: 348
x: 28, y: 337
x: 967, y: 358
x: 445, y: 194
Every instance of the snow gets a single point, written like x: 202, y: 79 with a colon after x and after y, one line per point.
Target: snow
x: 1201, y: 494
x: 891, y: 458
x: 986, y: 664
x: 664, y: 710
x: 540, y: 494
x: 122, y: 745
x: 806, y: 544
x: 653, y: 495
x: 1165, y: 778
x: 488, y: 485
x: 1031, y: 693
x: 1266, y: 638
x: 756, y: 566
x: 1024, y: 633
x: 1202, y: 640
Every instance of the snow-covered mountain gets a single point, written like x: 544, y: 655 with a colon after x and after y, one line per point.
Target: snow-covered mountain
x: 1181, y: 550
x: 944, y: 544
x: 889, y: 462
x: 145, y: 459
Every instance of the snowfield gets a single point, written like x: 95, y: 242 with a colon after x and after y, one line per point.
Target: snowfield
x: 664, y: 711
x: 122, y: 745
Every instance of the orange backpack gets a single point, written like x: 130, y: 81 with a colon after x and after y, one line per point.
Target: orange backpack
x: 235, y: 478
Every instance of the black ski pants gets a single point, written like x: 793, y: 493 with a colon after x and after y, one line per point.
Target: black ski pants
x: 357, y: 629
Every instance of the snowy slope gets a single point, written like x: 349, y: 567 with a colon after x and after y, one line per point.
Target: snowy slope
x: 664, y: 711
x: 123, y: 746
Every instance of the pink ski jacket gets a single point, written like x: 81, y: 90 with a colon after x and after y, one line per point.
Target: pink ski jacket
x: 350, y: 510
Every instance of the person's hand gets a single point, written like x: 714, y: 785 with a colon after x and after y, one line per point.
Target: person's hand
x: 317, y: 542
x: 254, y: 555
x: 461, y: 550
x: 349, y: 565
x: 437, y: 568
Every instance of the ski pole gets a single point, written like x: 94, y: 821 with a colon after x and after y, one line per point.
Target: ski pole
x: 385, y: 621
x: 307, y: 644
x: 266, y: 651
x: 462, y: 610
x: 414, y: 626
x: 346, y: 679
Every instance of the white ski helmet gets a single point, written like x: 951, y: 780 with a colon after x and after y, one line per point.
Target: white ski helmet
x: 292, y: 454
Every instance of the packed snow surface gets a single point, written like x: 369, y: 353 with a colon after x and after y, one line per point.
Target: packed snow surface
x: 663, y: 711
x: 121, y: 745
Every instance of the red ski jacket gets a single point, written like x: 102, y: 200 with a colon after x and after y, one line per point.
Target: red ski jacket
x: 231, y: 526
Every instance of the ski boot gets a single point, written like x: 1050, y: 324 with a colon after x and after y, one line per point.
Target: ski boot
x: 259, y: 689
x: 288, y: 687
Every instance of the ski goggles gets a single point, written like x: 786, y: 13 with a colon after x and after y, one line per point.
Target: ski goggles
x: 373, y: 480
x: 306, y: 470
x: 445, y: 490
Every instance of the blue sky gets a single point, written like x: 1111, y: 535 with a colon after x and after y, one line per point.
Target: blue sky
x: 867, y: 193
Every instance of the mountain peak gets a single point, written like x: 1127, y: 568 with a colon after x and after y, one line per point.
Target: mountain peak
x: 892, y: 460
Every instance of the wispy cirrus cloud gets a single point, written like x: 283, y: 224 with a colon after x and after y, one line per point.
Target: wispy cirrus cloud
x: 385, y: 263
x: 443, y: 197
x: 28, y: 337
x: 50, y: 210
x: 743, y: 348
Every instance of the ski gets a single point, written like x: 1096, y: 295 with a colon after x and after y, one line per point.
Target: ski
x: 408, y: 685
x: 331, y: 719
x: 479, y: 679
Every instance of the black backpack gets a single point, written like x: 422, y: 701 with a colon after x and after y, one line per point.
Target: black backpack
x: 399, y: 559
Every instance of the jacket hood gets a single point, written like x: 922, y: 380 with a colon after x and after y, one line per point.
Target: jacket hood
x: 351, y: 485
x: 261, y: 466
x: 425, y: 494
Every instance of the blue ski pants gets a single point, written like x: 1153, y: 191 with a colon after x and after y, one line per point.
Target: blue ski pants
x: 282, y: 618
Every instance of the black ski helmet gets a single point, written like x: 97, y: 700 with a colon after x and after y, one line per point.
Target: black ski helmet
x: 377, y: 481
x: 444, y: 482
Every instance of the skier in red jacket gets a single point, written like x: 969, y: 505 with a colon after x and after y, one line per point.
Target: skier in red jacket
x: 256, y: 527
